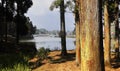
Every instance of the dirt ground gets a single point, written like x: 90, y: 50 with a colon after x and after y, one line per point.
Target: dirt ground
x: 57, y: 63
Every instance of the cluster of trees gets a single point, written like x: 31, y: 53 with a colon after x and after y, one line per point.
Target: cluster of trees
x: 90, y: 54
x: 89, y: 17
x: 89, y: 33
x: 13, y: 20
x: 111, y: 15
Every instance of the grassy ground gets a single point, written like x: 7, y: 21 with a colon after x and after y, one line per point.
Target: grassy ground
x: 13, y: 62
x: 15, y: 57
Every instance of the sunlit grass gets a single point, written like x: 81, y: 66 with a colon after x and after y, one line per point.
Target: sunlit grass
x: 13, y: 62
x: 17, y: 67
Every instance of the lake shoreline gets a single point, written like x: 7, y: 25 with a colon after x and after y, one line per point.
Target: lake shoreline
x: 51, y: 42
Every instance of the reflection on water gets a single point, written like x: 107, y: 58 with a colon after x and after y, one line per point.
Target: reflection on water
x: 52, y: 42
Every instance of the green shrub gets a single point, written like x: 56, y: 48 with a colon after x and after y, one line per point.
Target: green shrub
x: 43, y: 53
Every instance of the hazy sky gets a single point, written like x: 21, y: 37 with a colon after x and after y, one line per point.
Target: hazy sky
x: 42, y: 17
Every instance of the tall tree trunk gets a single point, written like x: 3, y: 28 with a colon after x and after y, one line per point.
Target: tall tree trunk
x: 0, y: 23
x: 5, y: 30
x: 107, y: 36
x: 5, y: 20
x: 18, y: 22
x: 17, y: 30
x: 90, y: 32
x: 117, y: 29
x: 17, y: 34
x: 78, y: 43
x: 77, y: 21
x: 1, y: 27
x: 63, y: 31
x: 2, y: 20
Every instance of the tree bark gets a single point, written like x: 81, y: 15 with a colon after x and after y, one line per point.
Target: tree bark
x: 78, y: 44
x: 77, y: 21
x: 107, y: 36
x: 63, y: 31
x: 90, y: 35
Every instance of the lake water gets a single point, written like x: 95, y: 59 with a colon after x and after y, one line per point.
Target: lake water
x: 52, y: 42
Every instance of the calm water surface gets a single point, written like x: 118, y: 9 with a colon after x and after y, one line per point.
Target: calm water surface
x: 51, y: 42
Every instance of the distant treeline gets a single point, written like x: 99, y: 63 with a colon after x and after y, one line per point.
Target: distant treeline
x: 53, y: 32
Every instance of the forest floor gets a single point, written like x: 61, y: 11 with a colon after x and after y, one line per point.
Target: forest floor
x: 55, y: 62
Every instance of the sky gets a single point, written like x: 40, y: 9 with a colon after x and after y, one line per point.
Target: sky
x: 42, y: 17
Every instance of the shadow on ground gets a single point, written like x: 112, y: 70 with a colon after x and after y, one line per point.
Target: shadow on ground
x: 61, y: 59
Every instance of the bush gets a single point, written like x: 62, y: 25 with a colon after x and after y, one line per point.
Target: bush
x: 43, y: 53
x: 28, y: 49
